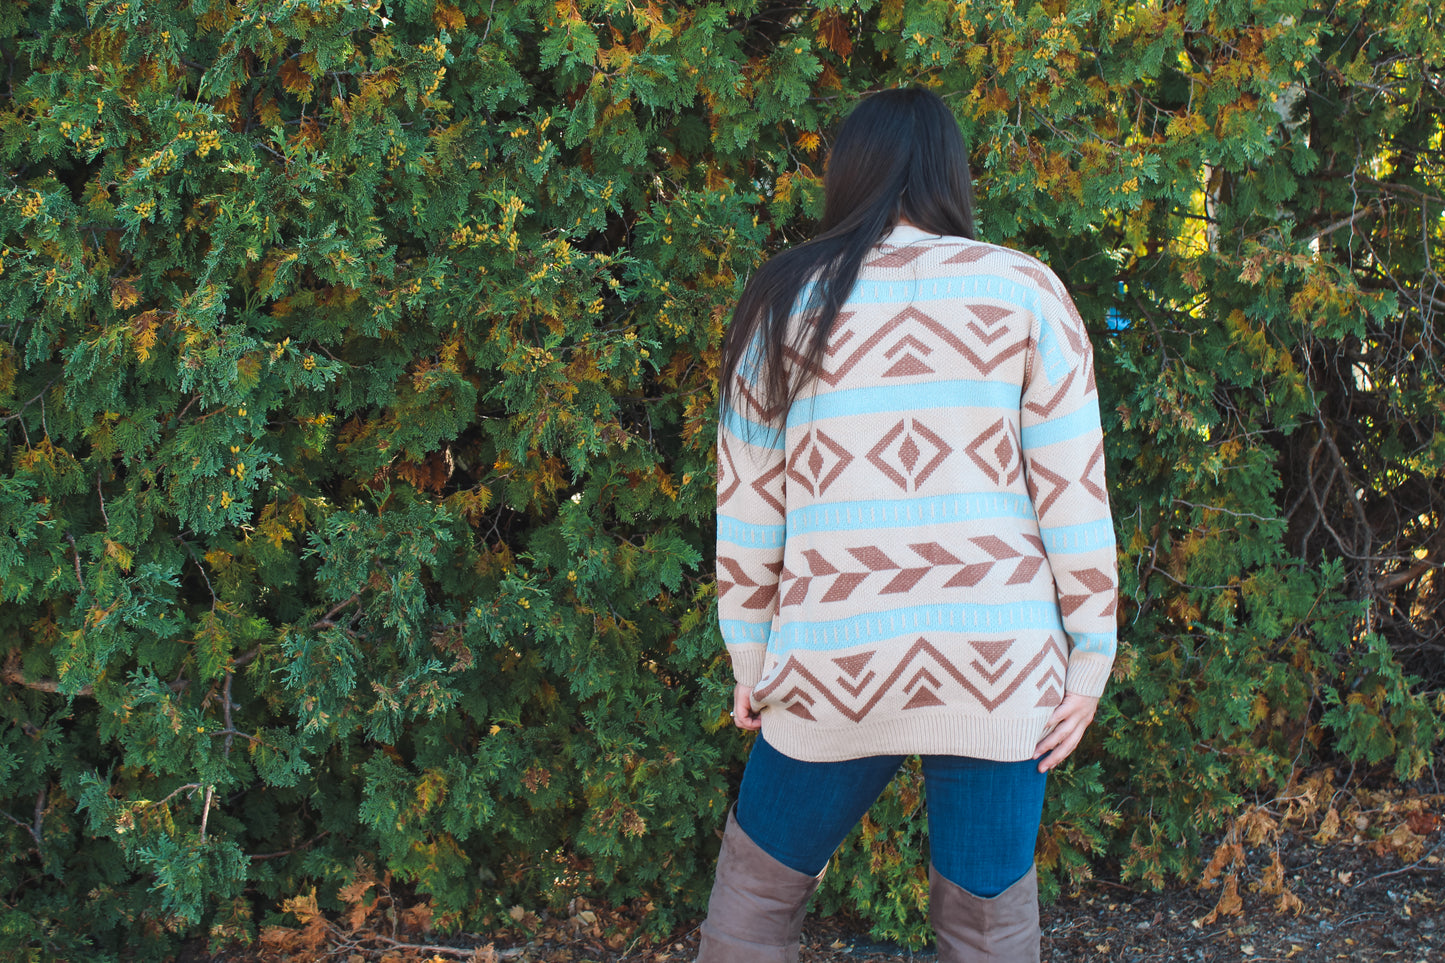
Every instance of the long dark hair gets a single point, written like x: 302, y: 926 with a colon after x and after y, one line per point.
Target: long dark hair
x: 899, y: 154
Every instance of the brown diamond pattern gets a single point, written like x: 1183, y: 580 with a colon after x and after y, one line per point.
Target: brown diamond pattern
x: 817, y: 462
x: 904, y: 446
x: 997, y: 452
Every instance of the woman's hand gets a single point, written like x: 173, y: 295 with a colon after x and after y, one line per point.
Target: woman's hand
x: 743, y: 715
x: 1066, y: 727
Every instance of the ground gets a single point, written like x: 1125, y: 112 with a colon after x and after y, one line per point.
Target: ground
x: 1304, y: 878
x: 1356, y: 906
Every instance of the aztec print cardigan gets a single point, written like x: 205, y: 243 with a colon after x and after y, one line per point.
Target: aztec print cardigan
x: 924, y: 560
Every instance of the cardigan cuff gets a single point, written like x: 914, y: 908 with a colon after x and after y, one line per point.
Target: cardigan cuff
x: 1088, y: 673
x: 748, y: 663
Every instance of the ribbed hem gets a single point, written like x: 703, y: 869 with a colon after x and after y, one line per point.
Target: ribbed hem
x: 936, y: 734
x: 1088, y: 673
x: 748, y: 663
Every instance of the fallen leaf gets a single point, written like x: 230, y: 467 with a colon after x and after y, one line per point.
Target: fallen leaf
x: 1329, y: 828
x: 1423, y: 823
x: 1229, y: 902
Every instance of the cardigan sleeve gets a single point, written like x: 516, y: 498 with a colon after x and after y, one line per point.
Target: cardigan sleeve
x: 750, y: 527
x: 1063, y: 451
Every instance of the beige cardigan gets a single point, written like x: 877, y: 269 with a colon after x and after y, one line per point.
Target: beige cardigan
x: 924, y: 560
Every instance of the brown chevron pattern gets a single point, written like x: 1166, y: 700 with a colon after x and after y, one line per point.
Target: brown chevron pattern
x: 842, y: 577
x: 769, y: 488
x: 1040, y: 476
x: 909, y: 365
x: 728, y: 479
x: 924, y: 674
x: 763, y: 593
x: 1094, y: 486
x: 1098, y: 584
x: 984, y: 360
x: 970, y: 254
x: 1045, y: 409
x: 752, y: 407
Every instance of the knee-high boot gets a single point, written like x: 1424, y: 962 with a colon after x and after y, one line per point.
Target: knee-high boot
x: 975, y: 929
x: 755, y: 913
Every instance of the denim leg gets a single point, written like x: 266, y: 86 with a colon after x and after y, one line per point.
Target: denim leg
x: 983, y: 820
x: 798, y: 812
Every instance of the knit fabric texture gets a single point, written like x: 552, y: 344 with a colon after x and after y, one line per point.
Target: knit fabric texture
x: 923, y: 560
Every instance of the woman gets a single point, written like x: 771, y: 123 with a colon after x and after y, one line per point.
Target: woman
x: 915, y: 554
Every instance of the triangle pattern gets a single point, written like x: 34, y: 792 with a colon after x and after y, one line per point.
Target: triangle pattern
x: 908, y: 366
x: 991, y: 651
x: 922, y: 699
x: 853, y: 664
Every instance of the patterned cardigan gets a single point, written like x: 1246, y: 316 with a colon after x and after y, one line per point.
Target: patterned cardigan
x: 923, y: 561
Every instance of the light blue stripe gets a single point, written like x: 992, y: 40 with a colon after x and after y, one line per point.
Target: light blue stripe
x: 992, y: 619
x: 748, y: 535
x: 904, y: 398
x: 759, y: 436
x: 1085, y: 537
x: 1073, y: 425
x: 738, y: 632
x: 1022, y: 296
x: 1103, y: 643
x: 881, y: 626
x: 937, y: 510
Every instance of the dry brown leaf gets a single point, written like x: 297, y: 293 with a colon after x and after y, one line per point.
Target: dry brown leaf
x: 1228, y: 854
x: 1272, y: 884
x: 1289, y: 903
x: 1423, y: 823
x: 355, y: 895
x: 304, y: 908
x: 279, y: 937
x: 833, y: 32
x: 1230, y: 903
x: 417, y: 917
x: 1408, y: 846
x: 1329, y: 828
x: 1260, y: 826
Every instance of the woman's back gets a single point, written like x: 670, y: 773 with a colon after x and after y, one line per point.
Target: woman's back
x: 915, y: 572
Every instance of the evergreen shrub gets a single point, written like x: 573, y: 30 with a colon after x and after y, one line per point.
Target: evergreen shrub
x: 358, y: 382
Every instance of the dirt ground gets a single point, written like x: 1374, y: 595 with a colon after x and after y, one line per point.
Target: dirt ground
x: 1317, y: 875
x: 1355, y: 906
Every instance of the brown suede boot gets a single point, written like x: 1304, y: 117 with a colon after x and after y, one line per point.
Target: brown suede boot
x: 972, y: 929
x: 755, y: 913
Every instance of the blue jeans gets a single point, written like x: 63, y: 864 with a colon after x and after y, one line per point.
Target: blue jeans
x: 983, y: 816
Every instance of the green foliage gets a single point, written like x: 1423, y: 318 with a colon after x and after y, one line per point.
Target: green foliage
x: 358, y: 382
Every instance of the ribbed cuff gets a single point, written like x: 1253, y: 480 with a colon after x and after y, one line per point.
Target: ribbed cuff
x: 747, y: 663
x: 1088, y: 673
